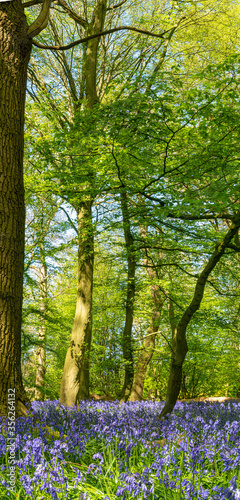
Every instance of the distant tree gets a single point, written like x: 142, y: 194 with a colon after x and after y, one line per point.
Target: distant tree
x: 148, y: 347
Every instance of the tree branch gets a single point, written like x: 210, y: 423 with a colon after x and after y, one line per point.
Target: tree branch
x: 69, y: 220
x: 30, y: 3
x: 117, y: 5
x: 41, y: 22
x: 233, y: 247
x: 153, y: 198
x: 203, y: 276
x: 200, y: 217
x: 78, y: 19
x: 107, y: 32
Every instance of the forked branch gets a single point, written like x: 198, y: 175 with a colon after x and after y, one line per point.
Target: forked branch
x: 41, y: 22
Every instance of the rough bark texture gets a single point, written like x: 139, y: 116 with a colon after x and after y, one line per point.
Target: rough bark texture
x: 15, y: 48
x: 179, y: 341
x: 75, y: 380
x: 41, y: 352
x: 127, y: 332
x: 149, y: 341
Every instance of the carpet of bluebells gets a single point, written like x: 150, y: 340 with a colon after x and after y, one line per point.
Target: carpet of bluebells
x: 109, y: 451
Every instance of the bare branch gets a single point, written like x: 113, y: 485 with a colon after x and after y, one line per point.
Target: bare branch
x: 117, y: 5
x: 107, y: 32
x: 69, y: 220
x: 78, y: 19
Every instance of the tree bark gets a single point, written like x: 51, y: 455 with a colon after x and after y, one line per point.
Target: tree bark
x: 96, y: 26
x: 41, y: 351
x: 127, y: 332
x: 179, y: 341
x: 15, y: 48
x: 75, y: 380
x: 145, y: 356
x: 149, y: 341
x: 237, y: 243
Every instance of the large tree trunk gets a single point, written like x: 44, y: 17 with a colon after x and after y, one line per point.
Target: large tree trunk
x: 75, y: 380
x: 127, y: 332
x: 179, y: 341
x: 15, y: 48
x: 149, y: 341
x: 41, y: 351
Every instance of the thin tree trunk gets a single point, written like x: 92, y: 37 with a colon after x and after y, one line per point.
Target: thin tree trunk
x: 237, y: 243
x: 150, y: 338
x: 41, y: 352
x: 75, y: 380
x: 179, y: 341
x: 145, y: 357
x: 127, y: 332
x: 238, y: 349
x: 15, y: 48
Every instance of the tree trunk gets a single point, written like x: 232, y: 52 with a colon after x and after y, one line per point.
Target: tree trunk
x: 96, y: 26
x: 149, y: 341
x: 15, y: 48
x: 179, y: 341
x: 127, y: 332
x: 145, y: 358
x: 75, y: 380
x: 41, y: 352
x: 237, y: 243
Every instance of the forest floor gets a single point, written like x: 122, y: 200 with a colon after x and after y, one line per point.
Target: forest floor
x: 110, y: 451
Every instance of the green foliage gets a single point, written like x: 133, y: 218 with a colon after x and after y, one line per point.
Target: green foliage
x: 169, y: 135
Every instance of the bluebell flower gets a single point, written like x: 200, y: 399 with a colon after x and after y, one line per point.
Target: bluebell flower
x: 99, y: 456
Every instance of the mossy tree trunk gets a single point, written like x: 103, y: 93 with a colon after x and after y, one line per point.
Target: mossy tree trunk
x: 75, y: 379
